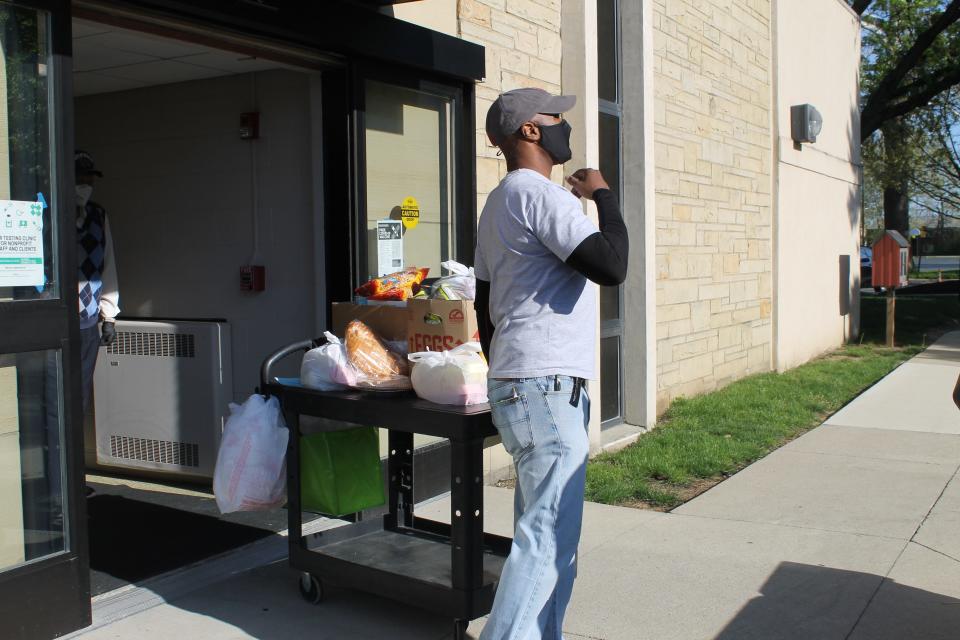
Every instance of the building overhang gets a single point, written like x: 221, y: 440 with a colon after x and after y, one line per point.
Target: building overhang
x: 346, y: 29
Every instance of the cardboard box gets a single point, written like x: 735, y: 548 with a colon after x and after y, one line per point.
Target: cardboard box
x: 438, y: 325
x: 387, y: 321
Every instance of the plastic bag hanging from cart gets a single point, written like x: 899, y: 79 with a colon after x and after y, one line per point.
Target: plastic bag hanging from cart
x: 250, y: 474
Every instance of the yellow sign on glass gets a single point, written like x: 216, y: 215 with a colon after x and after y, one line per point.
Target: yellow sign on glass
x: 410, y: 212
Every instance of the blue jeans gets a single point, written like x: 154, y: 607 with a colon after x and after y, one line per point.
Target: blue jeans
x: 547, y: 438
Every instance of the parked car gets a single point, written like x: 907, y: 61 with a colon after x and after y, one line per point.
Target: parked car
x: 866, y: 266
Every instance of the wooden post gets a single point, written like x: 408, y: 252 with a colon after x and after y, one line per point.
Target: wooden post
x: 891, y: 315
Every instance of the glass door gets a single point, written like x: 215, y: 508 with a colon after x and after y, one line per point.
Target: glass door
x: 414, y: 184
x: 411, y: 210
x: 44, y: 583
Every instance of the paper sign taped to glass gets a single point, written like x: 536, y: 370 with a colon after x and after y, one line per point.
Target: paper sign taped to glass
x: 21, y: 243
x: 389, y: 246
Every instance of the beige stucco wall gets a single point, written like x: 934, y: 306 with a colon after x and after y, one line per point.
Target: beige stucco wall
x: 439, y: 15
x: 712, y: 83
x: 818, y: 184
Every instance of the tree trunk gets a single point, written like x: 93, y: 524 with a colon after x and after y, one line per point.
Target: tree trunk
x: 896, y: 210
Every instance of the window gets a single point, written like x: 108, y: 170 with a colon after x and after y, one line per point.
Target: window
x: 27, y: 258
x: 611, y: 110
x: 409, y: 174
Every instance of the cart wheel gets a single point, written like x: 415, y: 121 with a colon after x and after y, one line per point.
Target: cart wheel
x: 460, y: 629
x: 310, y: 588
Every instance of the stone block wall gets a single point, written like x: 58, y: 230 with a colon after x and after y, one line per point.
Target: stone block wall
x: 713, y: 144
x: 522, y: 41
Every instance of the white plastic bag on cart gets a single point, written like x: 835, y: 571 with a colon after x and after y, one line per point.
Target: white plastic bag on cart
x: 250, y: 474
x: 326, y: 368
x: 461, y: 284
x: 457, y: 376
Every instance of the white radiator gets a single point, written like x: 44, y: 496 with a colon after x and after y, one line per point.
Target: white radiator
x: 161, y: 395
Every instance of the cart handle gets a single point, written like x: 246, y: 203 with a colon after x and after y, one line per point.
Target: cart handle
x: 265, y: 373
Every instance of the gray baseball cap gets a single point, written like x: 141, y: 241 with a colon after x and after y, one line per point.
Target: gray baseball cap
x: 509, y: 111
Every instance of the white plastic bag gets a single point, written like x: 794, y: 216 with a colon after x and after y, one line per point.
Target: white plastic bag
x: 457, y: 376
x: 250, y: 474
x: 326, y: 368
x: 461, y: 284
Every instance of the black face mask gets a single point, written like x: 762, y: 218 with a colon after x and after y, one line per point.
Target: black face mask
x: 555, y: 140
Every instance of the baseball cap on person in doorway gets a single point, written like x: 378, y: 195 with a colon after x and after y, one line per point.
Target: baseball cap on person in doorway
x: 84, y: 165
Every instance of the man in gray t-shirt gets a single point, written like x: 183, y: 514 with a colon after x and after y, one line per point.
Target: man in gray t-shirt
x: 538, y: 261
x: 544, y: 311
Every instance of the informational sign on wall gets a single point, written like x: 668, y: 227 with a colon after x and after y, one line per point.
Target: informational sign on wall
x: 21, y: 243
x: 389, y: 246
x: 410, y: 212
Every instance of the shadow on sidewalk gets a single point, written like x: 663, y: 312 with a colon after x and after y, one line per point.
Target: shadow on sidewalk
x: 265, y: 603
x: 805, y: 601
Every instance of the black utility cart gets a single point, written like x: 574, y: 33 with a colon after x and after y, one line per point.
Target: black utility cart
x: 449, y: 569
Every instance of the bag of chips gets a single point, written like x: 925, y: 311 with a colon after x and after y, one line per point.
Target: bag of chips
x: 394, y: 286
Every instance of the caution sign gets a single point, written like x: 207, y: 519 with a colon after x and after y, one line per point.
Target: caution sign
x: 410, y: 212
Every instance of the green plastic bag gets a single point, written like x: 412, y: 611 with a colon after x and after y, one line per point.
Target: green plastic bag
x: 340, y: 471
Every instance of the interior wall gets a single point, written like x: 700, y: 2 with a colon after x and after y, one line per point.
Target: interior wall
x: 179, y: 189
x: 818, y: 185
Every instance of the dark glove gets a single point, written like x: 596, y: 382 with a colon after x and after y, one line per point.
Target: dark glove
x: 108, y: 333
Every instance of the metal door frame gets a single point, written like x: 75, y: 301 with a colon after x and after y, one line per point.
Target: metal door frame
x: 51, y: 596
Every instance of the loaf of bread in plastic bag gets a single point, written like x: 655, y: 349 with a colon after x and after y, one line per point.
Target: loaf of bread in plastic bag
x: 369, y: 355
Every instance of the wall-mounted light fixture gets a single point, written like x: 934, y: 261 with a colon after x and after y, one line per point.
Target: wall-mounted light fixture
x: 805, y: 123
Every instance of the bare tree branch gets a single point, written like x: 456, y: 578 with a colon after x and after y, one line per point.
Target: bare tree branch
x: 873, y: 115
x: 917, y: 85
x: 878, y: 108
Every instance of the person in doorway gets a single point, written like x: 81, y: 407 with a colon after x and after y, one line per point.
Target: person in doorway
x: 99, y: 295
x: 538, y: 259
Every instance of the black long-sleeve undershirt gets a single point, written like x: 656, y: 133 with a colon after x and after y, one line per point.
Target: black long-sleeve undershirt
x: 484, y: 324
x: 601, y: 257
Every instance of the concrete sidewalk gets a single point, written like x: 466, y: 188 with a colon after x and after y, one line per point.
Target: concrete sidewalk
x: 850, y: 531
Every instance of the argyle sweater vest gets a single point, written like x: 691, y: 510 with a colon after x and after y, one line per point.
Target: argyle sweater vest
x: 91, y: 252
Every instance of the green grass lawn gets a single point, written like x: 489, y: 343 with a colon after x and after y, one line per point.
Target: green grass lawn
x: 933, y: 275
x: 701, y: 440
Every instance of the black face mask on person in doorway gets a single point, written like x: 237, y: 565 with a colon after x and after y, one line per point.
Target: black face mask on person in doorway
x: 555, y: 140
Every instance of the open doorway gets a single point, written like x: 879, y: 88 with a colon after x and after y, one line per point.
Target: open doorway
x: 211, y: 163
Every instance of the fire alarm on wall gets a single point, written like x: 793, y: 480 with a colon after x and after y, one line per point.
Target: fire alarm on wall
x: 253, y: 277
x: 250, y: 125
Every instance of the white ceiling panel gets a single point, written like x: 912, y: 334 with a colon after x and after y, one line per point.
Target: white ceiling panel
x: 231, y: 62
x: 89, y: 55
x: 145, y: 44
x: 107, y: 58
x: 85, y: 84
x: 163, y: 72
x: 82, y: 28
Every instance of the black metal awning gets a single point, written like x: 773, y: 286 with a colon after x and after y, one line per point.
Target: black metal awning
x: 383, y: 3
x: 349, y: 29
